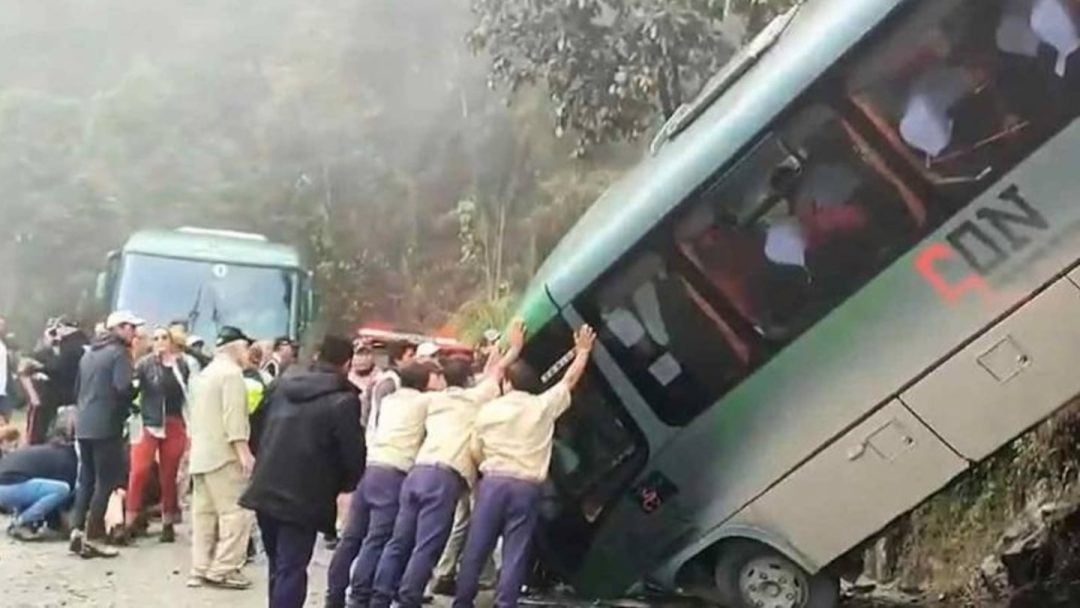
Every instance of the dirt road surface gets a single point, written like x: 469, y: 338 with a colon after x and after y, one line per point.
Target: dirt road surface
x: 44, y: 575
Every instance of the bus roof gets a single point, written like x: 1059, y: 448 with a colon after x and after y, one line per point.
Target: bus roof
x: 820, y: 34
x: 209, y: 246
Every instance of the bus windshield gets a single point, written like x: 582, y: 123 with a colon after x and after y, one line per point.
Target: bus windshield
x: 208, y: 295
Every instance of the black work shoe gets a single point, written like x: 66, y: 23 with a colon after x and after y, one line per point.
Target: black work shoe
x: 75, y: 544
x: 168, y: 534
x: 445, y: 586
x: 331, y: 542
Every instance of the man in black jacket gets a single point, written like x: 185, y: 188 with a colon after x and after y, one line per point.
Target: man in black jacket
x: 311, y: 450
x: 104, y: 398
x: 59, y: 367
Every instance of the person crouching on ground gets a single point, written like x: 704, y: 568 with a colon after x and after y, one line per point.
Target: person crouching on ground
x: 221, y: 463
x: 394, y: 434
x: 311, y: 449
x: 513, y: 443
x: 163, y: 380
x: 444, y: 471
x: 104, y: 401
x: 37, y: 483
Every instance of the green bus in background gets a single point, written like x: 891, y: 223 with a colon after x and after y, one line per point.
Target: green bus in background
x: 845, y: 274
x: 210, y: 278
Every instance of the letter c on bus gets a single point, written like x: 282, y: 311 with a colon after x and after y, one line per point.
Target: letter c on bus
x: 926, y: 264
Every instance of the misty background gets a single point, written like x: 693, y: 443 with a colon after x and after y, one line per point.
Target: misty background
x: 374, y: 134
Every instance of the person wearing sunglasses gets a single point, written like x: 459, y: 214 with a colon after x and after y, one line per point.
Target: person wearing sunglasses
x: 162, y: 378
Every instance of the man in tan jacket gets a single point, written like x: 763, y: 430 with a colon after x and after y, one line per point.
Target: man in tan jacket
x: 221, y: 463
x: 513, y: 442
x: 445, y: 469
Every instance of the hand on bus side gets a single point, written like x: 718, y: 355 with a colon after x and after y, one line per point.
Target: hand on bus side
x: 517, y: 334
x: 584, y: 338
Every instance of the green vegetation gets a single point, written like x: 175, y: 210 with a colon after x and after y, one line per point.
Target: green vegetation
x: 365, y: 133
x: 613, y: 69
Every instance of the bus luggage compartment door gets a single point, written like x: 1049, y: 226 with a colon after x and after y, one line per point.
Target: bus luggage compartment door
x: 853, y: 488
x: 1008, y: 379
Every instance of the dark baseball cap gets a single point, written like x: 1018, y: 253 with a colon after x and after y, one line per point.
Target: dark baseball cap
x: 230, y: 334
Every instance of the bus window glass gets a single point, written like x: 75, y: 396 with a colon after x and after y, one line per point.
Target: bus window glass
x: 965, y: 89
x: 208, y: 295
x: 786, y: 237
x: 677, y: 349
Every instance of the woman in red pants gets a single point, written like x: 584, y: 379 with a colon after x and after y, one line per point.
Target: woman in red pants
x: 163, y: 385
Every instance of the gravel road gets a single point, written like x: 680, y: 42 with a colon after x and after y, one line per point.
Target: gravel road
x: 44, y: 575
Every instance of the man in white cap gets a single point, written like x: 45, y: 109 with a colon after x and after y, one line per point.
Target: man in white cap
x: 104, y: 400
x: 427, y: 351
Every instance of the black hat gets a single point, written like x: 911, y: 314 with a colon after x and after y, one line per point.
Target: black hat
x: 230, y: 334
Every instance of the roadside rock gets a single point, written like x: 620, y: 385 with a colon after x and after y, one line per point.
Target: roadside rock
x: 1039, y: 551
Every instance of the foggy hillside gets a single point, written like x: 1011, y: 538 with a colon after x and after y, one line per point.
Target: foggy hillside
x: 351, y: 126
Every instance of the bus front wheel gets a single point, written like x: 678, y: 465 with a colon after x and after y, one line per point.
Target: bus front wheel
x: 753, y: 575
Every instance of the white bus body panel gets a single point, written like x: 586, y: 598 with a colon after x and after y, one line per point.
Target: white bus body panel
x: 1007, y: 380
x: 856, y: 486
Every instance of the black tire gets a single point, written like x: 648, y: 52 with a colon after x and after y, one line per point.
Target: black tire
x: 818, y: 591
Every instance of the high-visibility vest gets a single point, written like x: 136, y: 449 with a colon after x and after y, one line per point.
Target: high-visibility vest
x: 255, y: 392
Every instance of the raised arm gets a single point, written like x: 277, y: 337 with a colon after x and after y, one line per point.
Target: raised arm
x: 584, y: 338
x: 497, y: 365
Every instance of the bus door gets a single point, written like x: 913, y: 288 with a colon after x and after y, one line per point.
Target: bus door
x: 664, y: 347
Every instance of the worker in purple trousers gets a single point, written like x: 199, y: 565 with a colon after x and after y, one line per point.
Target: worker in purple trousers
x: 445, y: 469
x: 393, y: 438
x: 513, y: 442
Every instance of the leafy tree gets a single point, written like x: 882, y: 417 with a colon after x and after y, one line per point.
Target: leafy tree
x: 349, y: 129
x: 614, y: 69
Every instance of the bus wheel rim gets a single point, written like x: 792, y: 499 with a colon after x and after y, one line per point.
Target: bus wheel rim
x: 772, y: 582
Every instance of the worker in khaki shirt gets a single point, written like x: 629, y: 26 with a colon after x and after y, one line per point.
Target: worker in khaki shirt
x: 512, y: 442
x: 394, y: 438
x: 445, y: 468
x: 221, y: 463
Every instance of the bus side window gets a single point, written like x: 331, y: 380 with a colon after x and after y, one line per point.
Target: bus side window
x: 964, y: 89
x: 679, y: 352
x: 787, y: 237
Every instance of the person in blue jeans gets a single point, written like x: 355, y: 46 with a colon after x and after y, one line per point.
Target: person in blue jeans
x: 36, y: 484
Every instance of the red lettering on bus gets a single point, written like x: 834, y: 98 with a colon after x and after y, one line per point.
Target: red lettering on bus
x: 926, y: 263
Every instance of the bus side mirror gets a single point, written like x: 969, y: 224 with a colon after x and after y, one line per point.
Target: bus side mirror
x: 312, y: 298
x: 106, y: 278
x: 102, y: 288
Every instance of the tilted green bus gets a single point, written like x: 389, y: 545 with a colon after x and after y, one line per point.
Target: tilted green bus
x: 210, y: 278
x: 844, y: 275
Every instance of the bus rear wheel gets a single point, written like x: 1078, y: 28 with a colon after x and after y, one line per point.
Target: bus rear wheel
x: 753, y: 575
